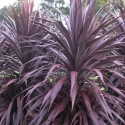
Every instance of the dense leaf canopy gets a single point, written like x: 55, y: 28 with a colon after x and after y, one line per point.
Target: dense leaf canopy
x: 56, y: 73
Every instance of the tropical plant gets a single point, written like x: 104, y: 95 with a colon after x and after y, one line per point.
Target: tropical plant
x: 24, y: 62
x: 56, y: 74
x: 82, y: 91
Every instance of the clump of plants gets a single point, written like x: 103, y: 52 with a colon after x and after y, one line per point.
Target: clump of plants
x: 57, y: 74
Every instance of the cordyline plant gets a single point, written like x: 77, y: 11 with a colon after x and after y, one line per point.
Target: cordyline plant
x: 24, y: 62
x: 83, y: 85
x: 82, y: 92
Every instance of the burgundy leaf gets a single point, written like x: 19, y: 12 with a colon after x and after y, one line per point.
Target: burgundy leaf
x: 48, y: 95
x: 62, y: 106
x: 56, y: 89
x: 74, y: 87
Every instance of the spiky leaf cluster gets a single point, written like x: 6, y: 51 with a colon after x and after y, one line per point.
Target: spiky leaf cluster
x: 57, y: 74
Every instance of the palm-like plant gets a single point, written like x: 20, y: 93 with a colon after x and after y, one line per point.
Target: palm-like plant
x: 82, y: 85
x: 82, y: 91
x: 24, y: 62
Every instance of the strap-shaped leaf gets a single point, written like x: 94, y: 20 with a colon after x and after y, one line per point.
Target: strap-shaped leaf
x: 56, y: 89
x: 74, y: 87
